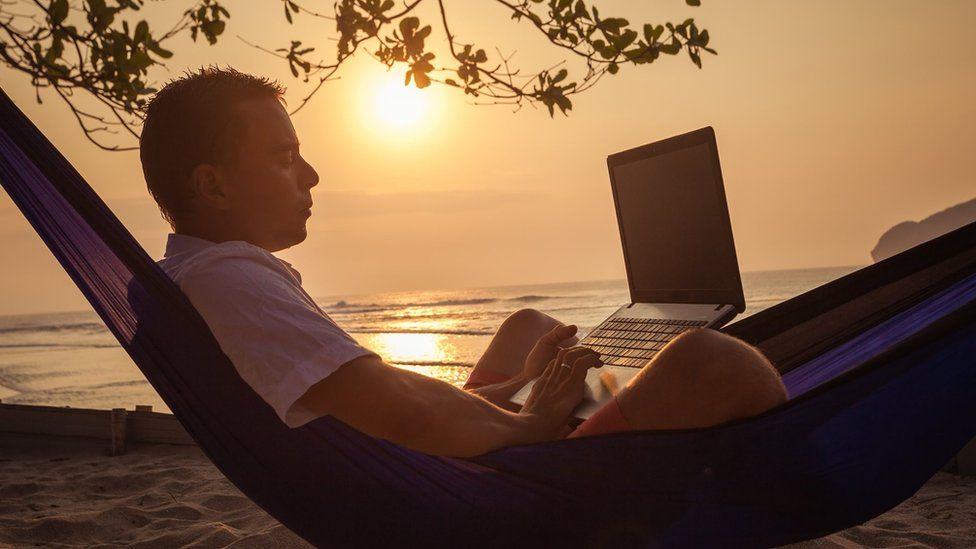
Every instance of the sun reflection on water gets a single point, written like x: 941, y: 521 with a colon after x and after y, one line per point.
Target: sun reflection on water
x: 437, y: 355
x: 410, y: 348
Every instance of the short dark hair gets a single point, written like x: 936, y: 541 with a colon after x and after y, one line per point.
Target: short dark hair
x: 191, y: 121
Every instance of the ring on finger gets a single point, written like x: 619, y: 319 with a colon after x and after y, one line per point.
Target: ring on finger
x: 567, y: 366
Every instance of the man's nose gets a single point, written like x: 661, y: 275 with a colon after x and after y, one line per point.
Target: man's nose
x: 311, y: 177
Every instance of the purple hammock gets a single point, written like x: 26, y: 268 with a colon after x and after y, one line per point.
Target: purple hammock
x: 880, y: 366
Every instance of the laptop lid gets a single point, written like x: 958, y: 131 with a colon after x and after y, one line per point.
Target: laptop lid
x: 674, y: 222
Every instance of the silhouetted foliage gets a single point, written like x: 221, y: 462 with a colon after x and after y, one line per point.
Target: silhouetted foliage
x: 92, y: 45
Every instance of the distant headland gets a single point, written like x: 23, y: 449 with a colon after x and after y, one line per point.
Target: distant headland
x: 911, y: 233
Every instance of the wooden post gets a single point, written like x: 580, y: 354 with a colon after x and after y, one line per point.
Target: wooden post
x: 966, y: 460
x: 118, y: 431
x: 143, y: 408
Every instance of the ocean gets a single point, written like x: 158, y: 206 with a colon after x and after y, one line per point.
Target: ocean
x: 71, y: 359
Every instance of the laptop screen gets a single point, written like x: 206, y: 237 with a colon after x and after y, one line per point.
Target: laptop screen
x: 674, y: 222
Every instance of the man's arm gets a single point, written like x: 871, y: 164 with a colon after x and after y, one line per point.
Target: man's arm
x: 500, y: 393
x: 417, y: 411
x: 420, y: 412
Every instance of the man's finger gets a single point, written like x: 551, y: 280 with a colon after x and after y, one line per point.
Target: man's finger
x: 574, y: 353
x: 564, y: 356
x: 543, y: 380
x: 558, y: 334
x: 570, y: 356
x: 584, y: 363
x: 577, y: 375
x: 557, y: 364
x: 567, y: 343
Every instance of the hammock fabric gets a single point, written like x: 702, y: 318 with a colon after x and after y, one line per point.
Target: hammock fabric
x: 879, y: 366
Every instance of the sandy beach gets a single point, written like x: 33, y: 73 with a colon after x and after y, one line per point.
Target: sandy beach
x: 64, y: 492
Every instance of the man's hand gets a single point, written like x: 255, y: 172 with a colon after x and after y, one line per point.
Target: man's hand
x: 559, y: 390
x: 546, y: 348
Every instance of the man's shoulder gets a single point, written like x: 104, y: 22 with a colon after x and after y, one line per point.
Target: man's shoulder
x: 224, y: 261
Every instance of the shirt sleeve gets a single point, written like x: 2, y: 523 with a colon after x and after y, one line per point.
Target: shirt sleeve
x: 279, y: 340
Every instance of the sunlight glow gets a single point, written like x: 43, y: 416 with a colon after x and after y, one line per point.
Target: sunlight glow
x: 410, y: 348
x: 400, y: 107
x: 434, y: 355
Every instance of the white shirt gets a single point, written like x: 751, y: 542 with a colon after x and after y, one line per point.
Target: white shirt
x: 278, y: 338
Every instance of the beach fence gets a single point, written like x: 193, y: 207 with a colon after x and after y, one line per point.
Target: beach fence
x: 116, y: 427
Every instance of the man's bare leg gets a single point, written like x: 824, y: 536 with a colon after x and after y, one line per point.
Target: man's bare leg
x: 504, y: 360
x: 514, y: 339
x: 701, y: 378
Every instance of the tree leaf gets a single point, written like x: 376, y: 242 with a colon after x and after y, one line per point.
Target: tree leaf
x: 408, y: 25
x: 155, y: 48
x: 58, y: 11
x: 142, y: 32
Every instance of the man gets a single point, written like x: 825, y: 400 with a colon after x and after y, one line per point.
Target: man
x: 222, y: 160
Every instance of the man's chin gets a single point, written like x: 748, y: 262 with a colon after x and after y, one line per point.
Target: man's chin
x: 294, y: 240
x: 300, y: 237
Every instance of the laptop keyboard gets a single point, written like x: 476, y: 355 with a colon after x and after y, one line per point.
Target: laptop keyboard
x: 633, y: 341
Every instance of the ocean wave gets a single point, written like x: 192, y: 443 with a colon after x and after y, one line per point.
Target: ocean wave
x: 354, y: 309
x: 432, y: 363
x: 531, y: 298
x: 47, y: 328
x: 346, y: 307
x: 367, y: 330
x: 59, y: 345
x: 343, y: 304
x: 82, y: 395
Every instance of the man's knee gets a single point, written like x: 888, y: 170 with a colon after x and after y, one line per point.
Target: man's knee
x: 529, y: 321
x: 721, y: 366
x: 527, y: 316
x: 708, y: 377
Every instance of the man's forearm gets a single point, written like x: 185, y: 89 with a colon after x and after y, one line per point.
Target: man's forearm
x: 420, y: 412
x: 462, y: 424
x: 500, y: 393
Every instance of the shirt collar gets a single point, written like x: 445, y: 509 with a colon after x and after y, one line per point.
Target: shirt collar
x: 179, y: 243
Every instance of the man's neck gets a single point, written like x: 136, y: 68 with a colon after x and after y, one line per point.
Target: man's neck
x: 219, y: 236
x: 213, y: 234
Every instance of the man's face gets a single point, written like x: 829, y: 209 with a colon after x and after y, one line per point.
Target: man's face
x: 269, y: 188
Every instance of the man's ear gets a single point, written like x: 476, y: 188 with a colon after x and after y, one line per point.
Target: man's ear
x: 210, y: 187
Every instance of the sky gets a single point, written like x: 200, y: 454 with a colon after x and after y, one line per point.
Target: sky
x: 834, y: 120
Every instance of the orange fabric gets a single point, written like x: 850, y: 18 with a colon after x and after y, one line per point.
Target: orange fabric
x: 608, y: 419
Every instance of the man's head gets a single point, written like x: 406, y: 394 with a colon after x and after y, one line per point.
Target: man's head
x: 221, y: 158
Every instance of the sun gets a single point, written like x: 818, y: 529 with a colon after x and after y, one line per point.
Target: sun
x: 399, y: 107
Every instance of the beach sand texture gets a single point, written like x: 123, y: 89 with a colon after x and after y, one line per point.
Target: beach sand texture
x: 62, y: 492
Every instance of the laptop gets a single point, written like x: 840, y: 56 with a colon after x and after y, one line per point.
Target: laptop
x: 680, y: 257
